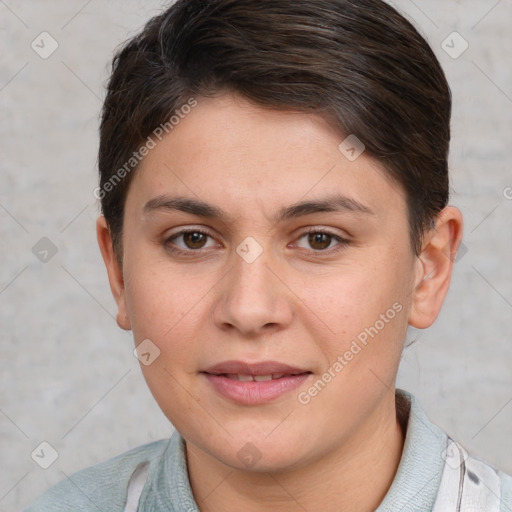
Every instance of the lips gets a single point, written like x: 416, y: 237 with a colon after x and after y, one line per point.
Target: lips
x: 254, y: 369
x: 254, y: 383
x: 254, y: 378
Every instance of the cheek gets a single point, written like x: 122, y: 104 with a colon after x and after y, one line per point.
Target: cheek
x: 367, y: 321
x: 363, y: 308
x: 169, y: 308
x: 157, y: 296
x: 162, y: 310
x: 148, y: 307
x: 354, y: 296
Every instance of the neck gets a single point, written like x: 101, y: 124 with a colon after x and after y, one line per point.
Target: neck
x: 354, y: 478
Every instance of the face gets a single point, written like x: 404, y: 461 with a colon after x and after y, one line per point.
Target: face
x: 273, y: 276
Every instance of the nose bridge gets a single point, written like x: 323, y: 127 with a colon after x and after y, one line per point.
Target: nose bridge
x: 252, y: 297
x: 251, y: 287
x: 250, y: 276
x: 251, y: 265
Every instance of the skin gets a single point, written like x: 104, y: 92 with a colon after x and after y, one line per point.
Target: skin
x: 298, y: 303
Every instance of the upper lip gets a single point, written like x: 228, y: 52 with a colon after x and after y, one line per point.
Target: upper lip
x: 261, y: 368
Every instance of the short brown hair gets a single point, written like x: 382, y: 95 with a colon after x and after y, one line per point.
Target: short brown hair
x: 359, y: 63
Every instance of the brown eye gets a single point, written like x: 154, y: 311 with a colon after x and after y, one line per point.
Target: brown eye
x: 319, y: 241
x: 189, y: 241
x: 194, y: 239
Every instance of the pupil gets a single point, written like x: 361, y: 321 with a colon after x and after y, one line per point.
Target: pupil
x: 194, y: 239
x: 319, y: 240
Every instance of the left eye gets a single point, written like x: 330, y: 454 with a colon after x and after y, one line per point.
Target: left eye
x: 320, y: 240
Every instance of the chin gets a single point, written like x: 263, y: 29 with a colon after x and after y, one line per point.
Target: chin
x: 257, y: 452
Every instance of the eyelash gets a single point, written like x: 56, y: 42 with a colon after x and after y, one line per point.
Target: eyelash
x: 342, y: 242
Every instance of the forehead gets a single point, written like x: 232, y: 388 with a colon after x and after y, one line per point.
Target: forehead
x: 245, y: 158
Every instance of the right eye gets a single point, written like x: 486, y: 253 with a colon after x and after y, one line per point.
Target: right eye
x: 188, y: 240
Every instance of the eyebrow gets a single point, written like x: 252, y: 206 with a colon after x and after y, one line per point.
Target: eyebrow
x: 335, y: 203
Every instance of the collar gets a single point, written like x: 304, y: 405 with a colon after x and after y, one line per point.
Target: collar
x: 419, y: 473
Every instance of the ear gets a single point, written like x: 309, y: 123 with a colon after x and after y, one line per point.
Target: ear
x: 434, y: 267
x: 114, y: 271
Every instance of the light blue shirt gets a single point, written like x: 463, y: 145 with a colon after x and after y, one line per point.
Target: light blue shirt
x: 415, y: 488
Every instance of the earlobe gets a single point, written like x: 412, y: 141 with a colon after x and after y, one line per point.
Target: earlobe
x: 114, y: 271
x: 434, y: 267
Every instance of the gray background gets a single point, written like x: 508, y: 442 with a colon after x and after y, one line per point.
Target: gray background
x: 67, y: 373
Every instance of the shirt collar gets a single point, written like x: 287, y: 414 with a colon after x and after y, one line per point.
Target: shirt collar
x: 419, y: 473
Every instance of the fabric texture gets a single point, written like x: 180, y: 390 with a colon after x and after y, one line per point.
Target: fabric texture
x: 434, y: 474
x: 467, y: 484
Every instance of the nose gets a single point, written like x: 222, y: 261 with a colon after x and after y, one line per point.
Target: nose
x: 253, y: 298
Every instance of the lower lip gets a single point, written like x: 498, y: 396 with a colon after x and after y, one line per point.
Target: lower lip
x: 252, y: 392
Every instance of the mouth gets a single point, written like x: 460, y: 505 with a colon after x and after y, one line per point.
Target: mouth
x: 254, y: 378
x: 254, y: 383
x: 260, y: 369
